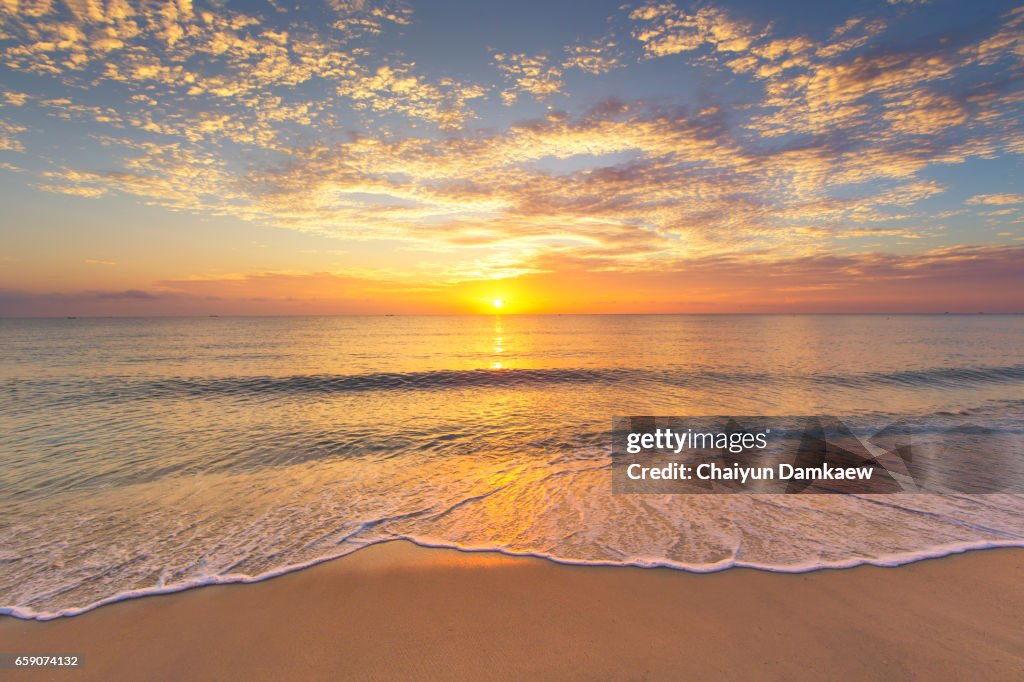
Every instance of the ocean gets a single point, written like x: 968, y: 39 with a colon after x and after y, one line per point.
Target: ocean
x: 140, y: 456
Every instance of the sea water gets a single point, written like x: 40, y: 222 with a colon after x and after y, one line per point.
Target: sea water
x: 150, y: 455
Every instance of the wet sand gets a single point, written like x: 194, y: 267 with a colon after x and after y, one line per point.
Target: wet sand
x: 401, y: 611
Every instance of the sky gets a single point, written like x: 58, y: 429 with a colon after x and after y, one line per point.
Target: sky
x: 363, y: 157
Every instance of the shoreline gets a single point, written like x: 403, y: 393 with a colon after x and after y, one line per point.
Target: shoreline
x: 399, y: 609
x: 888, y: 561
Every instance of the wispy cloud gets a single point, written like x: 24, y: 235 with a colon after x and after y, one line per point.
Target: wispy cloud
x: 996, y: 199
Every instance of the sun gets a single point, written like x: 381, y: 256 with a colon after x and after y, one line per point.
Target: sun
x: 498, y: 302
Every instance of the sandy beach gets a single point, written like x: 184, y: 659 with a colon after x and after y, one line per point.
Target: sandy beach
x: 401, y: 611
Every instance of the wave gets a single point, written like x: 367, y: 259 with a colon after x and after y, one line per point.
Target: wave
x: 934, y: 377
x: 120, y: 388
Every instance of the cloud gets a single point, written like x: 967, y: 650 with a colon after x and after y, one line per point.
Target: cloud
x: 657, y: 183
x: 74, y: 190
x: 398, y: 89
x: 233, y: 58
x: 533, y: 75
x: 996, y: 199
x: 956, y: 279
x: 14, y: 99
x: 306, y: 123
x: 664, y: 29
x: 600, y: 56
x: 131, y: 294
x: 823, y: 87
x: 9, y: 137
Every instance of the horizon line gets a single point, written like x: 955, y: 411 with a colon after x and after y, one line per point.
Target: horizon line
x: 494, y: 315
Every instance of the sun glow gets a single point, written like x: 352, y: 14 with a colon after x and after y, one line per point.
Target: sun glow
x: 498, y: 303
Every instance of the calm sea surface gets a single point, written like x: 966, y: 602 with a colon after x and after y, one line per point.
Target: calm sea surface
x: 148, y: 455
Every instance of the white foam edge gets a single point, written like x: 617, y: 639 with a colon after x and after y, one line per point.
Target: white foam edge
x: 885, y: 560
